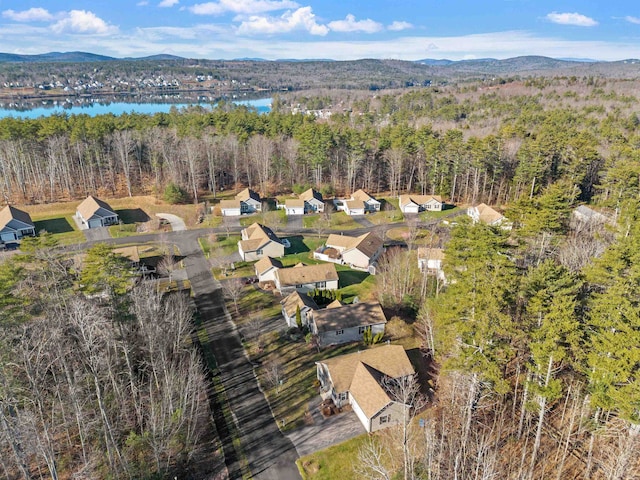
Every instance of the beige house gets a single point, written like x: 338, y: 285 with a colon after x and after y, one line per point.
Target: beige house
x: 259, y: 241
x: 361, y: 380
x: 294, y: 206
x: 359, y: 203
x: 94, y: 213
x: 266, y: 269
x: 306, y: 278
x: 358, y: 252
x: 292, y: 302
x: 485, y: 214
x: 419, y: 203
x: 347, y: 323
x: 430, y: 261
x: 15, y: 224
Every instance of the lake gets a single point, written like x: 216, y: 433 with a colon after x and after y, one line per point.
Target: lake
x: 96, y: 107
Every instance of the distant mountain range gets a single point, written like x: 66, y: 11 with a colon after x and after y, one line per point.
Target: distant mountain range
x: 75, y: 57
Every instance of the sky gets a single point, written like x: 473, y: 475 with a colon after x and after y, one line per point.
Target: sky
x: 325, y: 29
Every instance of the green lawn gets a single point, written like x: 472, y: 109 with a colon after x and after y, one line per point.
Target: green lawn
x: 124, y: 230
x: 334, y: 462
x: 342, y: 221
x: 389, y: 213
x: 219, y: 244
x: 63, y: 229
x: 427, y: 216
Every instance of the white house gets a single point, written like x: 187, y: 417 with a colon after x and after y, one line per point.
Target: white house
x: 313, y: 201
x: 430, y: 261
x: 95, y: 213
x: 359, y: 203
x: 266, y: 269
x: 420, y: 203
x: 15, y: 224
x: 347, y: 323
x: 245, y: 202
x: 290, y: 305
x: 358, y: 252
x: 294, y: 206
x: 485, y: 214
x: 306, y: 278
x: 358, y: 379
x: 259, y: 241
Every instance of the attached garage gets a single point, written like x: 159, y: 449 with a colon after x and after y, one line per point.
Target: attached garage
x: 8, y: 237
x: 95, y: 223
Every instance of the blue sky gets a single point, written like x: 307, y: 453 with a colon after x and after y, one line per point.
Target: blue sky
x: 341, y: 30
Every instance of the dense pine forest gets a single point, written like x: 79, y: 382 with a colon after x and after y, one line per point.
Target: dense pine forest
x: 536, y: 336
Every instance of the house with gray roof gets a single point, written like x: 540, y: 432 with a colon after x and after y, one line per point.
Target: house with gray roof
x: 95, y: 213
x: 15, y: 224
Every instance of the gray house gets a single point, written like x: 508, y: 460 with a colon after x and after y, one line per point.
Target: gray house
x: 15, y: 224
x: 347, y: 323
x: 94, y: 213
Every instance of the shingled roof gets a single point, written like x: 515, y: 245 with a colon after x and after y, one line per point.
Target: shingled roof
x: 91, y: 205
x: 294, y: 300
x: 9, y: 213
x: 348, y: 316
x: 300, y: 275
x: 368, y: 243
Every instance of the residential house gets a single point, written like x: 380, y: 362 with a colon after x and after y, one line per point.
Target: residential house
x: 294, y: 301
x: 485, y: 214
x: 306, y: 278
x: 15, y: 224
x: 347, y: 323
x: 358, y: 252
x: 430, y: 261
x: 259, y: 241
x: 95, y: 213
x: 420, y: 203
x: 586, y: 217
x: 294, y: 206
x: 359, y: 203
x: 245, y: 202
x: 266, y: 269
x: 313, y: 201
x: 361, y: 379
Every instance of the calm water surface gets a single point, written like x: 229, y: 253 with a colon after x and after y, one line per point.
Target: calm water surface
x: 262, y: 105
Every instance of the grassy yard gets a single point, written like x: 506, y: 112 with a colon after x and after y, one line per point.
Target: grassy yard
x: 124, y: 230
x: 239, y: 270
x: 63, y: 228
x: 428, y: 216
x: 333, y: 462
x: 422, y: 237
x: 219, y: 244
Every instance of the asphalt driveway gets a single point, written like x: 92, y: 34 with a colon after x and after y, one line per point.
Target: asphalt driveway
x: 177, y: 224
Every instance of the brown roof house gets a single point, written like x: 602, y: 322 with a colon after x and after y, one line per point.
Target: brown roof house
x: 359, y: 203
x: 15, y: 224
x: 294, y: 301
x: 313, y: 201
x: 420, y: 203
x: 347, y: 323
x: 259, y: 241
x: 306, y: 278
x: 294, y: 206
x: 95, y: 213
x: 266, y: 269
x: 485, y: 214
x: 245, y: 202
x: 361, y: 379
x: 358, y: 252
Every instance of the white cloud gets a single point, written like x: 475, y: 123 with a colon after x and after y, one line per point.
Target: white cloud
x: 168, y: 3
x: 32, y: 15
x: 398, y: 26
x: 82, y: 21
x: 248, y: 7
x: 630, y: 19
x: 300, y: 19
x: 142, y: 3
x: 576, y: 19
x: 350, y: 24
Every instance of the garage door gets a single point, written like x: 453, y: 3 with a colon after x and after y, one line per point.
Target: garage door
x: 8, y: 237
x: 94, y: 223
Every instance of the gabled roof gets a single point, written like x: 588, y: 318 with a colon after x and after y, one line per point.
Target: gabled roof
x: 367, y: 390
x: 348, y: 316
x: 266, y: 263
x: 229, y: 204
x: 389, y: 360
x: 300, y: 275
x: 294, y: 300
x: 354, y: 204
x: 335, y: 304
x: 246, y: 194
x: 294, y: 203
x: 311, y: 194
x: 91, y: 205
x: 257, y: 236
x: 367, y: 243
x: 425, y: 253
x: 419, y: 199
x: 362, y: 196
x: 486, y: 214
x: 9, y: 213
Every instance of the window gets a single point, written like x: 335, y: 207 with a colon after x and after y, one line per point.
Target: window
x: 339, y: 332
x: 361, y: 330
x: 385, y: 419
x: 300, y: 285
x: 259, y: 251
x: 343, y: 396
x: 321, y: 284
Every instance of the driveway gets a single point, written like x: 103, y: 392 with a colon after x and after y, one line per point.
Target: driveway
x: 177, y: 224
x: 97, y: 234
x: 361, y: 220
x: 325, y: 431
x: 294, y: 222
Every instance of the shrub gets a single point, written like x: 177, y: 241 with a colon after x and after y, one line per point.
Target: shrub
x: 174, y: 193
